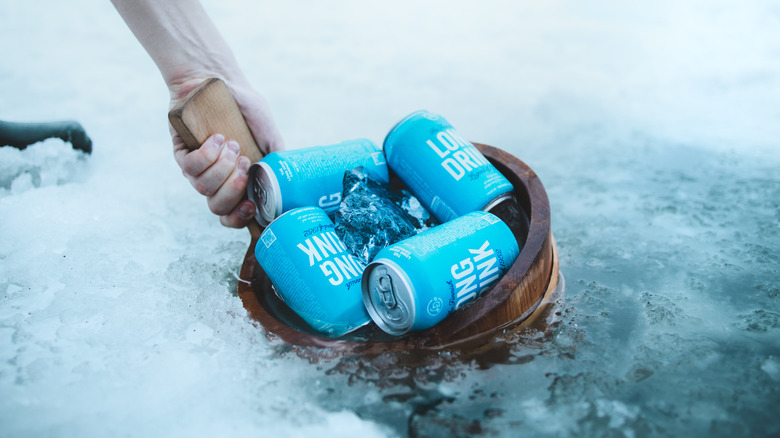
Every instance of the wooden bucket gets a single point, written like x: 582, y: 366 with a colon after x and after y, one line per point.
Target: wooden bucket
x: 210, y: 108
x: 508, y: 303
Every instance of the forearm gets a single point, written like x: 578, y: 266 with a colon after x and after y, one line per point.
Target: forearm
x: 182, y: 40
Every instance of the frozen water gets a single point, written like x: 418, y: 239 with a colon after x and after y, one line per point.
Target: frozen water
x: 413, y: 208
x: 47, y: 163
x: 653, y: 125
x: 373, y: 215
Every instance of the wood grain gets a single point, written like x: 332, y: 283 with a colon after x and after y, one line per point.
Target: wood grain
x: 209, y: 109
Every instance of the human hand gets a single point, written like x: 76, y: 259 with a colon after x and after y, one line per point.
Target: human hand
x: 187, y: 48
x: 216, y: 169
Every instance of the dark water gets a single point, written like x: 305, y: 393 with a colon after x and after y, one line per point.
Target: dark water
x: 668, y: 325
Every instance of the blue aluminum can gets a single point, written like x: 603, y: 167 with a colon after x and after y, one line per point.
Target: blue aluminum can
x: 416, y: 283
x: 444, y: 171
x: 310, y: 176
x: 312, y: 271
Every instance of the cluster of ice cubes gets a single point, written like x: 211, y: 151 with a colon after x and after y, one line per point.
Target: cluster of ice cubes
x: 374, y: 215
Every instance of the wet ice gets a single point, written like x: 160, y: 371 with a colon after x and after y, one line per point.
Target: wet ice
x: 47, y: 163
x: 373, y: 215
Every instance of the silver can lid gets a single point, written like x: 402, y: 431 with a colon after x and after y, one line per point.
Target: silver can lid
x: 389, y: 297
x: 498, y: 200
x: 263, y: 189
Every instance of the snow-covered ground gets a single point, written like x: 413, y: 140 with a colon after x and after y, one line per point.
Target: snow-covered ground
x: 654, y: 126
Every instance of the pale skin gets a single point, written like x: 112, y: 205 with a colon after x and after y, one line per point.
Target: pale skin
x: 187, y: 48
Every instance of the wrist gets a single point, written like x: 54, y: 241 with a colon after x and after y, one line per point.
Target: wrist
x: 184, y: 81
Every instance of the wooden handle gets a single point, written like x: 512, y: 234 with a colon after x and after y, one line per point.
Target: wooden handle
x: 209, y: 109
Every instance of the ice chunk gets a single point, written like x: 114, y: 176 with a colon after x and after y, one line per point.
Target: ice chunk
x: 44, y: 164
x: 373, y: 215
x: 418, y: 215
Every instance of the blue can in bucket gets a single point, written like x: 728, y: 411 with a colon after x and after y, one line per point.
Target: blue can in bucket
x: 415, y: 283
x: 310, y: 176
x: 443, y: 170
x: 312, y: 271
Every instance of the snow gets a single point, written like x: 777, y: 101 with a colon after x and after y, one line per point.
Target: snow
x: 653, y: 125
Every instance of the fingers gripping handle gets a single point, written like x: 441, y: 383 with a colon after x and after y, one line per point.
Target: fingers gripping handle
x: 209, y: 109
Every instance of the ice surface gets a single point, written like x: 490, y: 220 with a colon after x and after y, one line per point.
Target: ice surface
x: 47, y: 163
x: 373, y: 215
x: 653, y: 126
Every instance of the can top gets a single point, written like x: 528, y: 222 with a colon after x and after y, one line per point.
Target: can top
x: 389, y: 297
x: 499, y: 200
x: 397, y: 126
x: 263, y: 189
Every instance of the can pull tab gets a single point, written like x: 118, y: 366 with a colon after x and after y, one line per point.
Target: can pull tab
x: 261, y: 193
x: 385, y: 286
